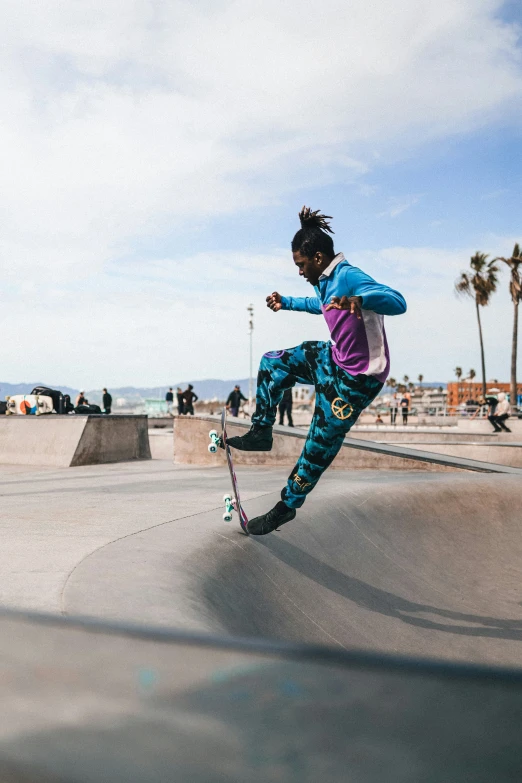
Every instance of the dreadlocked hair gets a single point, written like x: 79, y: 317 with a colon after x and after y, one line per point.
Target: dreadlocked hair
x: 312, y: 237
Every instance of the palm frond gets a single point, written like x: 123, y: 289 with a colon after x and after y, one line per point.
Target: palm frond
x: 482, y: 283
x: 463, y: 285
x: 514, y: 262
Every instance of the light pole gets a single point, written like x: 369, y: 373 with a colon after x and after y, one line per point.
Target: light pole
x: 250, y: 310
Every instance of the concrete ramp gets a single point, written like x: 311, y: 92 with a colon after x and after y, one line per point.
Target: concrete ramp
x: 319, y: 653
x: 68, y: 441
x: 417, y: 564
x: 91, y: 703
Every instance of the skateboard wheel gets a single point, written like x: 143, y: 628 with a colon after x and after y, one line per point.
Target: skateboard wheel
x: 212, y: 434
x: 227, y: 517
x: 212, y: 448
x: 227, y: 497
x: 38, y: 413
x: 9, y: 413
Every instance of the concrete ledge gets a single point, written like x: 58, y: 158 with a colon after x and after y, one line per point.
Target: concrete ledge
x: 68, y: 441
x: 508, y: 454
x: 411, y: 435
x: 191, y: 448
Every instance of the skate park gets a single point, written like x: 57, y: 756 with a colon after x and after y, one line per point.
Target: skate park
x: 305, y: 218
x: 122, y: 585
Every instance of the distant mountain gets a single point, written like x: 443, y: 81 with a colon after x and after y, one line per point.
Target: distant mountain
x: 209, y: 389
x: 206, y: 390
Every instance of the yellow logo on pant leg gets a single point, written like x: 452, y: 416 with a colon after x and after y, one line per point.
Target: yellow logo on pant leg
x: 341, y: 409
x: 301, y: 483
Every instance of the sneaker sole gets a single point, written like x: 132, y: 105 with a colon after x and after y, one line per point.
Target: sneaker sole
x: 241, y: 448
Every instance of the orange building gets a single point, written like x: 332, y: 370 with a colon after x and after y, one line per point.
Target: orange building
x: 460, y: 391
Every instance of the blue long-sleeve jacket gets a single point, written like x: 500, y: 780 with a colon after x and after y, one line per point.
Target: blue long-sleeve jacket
x: 360, y: 345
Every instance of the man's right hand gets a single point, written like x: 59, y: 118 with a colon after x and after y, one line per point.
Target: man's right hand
x: 274, y: 301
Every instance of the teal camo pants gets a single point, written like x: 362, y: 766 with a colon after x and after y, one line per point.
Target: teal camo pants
x: 339, y: 400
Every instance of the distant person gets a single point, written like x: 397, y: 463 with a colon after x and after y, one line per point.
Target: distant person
x: 405, y: 407
x: 106, y: 402
x: 394, y: 407
x: 501, y: 412
x: 169, y: 399
x: 179, y: 397
x: 491, y: 402
x: 233, y: 402
x: 189, y: 398
x: 285, y: 406
x: 379, y: 419
x: 80, y: 399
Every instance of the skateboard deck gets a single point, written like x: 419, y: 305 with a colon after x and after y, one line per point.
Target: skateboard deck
x: 28, y: 404
x: 232, y: 503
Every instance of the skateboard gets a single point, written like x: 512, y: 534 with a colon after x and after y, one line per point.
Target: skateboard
x: 232, y: 501
x: 28, y: 404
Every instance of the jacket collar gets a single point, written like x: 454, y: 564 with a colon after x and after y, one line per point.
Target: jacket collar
x: 330, y: 268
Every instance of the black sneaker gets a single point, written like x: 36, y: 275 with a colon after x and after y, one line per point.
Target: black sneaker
x: 256, y: 439
x: 277, y: 516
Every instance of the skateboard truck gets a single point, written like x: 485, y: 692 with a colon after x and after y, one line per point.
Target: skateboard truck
x: 214, y: 437
x: 229, y: 506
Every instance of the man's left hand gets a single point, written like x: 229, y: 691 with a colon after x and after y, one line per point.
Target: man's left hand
x: 351, y: 303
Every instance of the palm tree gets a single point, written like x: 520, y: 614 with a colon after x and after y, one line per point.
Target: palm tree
x: 420, y: 379
x: 471, y: 375
x: 480, y: 283
x: 458, y: 373
x: 392, y: 383
x: 515, y: 289
x: 406, y: 378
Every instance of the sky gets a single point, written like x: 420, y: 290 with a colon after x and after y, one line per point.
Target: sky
x: 154, y: 156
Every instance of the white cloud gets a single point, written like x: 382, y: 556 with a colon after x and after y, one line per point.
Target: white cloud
x: 122, y: 118
x: 494, y: 194
x: 399, y: 205
x: 161, y: 325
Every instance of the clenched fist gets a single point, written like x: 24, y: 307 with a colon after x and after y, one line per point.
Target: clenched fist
x: 274, y: 301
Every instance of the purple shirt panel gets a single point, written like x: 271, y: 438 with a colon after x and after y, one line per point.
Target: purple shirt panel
x: 351, y: 351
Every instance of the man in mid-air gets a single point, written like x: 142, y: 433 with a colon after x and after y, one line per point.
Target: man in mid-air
x: 347, y: 373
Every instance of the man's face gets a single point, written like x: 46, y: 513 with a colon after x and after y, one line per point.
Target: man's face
x: 310, y: 268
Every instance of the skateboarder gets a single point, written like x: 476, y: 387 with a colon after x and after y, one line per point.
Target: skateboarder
x: 347, y: 373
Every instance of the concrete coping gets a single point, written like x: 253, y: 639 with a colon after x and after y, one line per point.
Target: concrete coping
x: 390, y: 450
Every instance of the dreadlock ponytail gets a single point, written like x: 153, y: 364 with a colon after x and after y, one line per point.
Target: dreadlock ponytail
x: 313, y: 236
